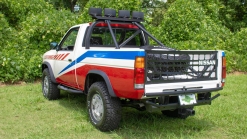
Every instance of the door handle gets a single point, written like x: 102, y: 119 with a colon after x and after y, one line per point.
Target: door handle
x: 70, y: 60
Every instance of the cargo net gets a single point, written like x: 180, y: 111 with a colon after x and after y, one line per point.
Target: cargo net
x: 177, y: 66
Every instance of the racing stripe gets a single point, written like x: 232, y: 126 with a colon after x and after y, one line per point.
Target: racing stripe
x: 128, y: 55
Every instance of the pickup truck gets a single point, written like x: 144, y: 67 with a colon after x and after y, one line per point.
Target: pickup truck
x: 117, y: 63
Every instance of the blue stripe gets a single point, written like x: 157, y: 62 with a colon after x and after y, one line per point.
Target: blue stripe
x: 128, y: 55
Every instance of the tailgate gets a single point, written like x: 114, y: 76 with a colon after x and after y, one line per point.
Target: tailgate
x: 178, y: 72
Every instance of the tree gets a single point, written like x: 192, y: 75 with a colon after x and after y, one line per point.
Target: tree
x: 67, y: 4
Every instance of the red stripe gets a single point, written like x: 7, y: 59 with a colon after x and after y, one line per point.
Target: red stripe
x: 55, y: 56
x: 65, y: 56
x: 61, y: 55
x: 122, y: 80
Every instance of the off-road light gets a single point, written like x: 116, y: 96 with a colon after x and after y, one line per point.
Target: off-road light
x: 109, y: 12
x: 137, y: 15
x: 95, y: 12
x: 124, y: 14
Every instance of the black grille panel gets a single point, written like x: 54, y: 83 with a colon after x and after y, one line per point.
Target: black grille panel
x: 180, y: 66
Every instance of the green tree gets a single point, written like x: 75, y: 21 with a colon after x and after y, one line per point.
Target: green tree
x: 67, y: 4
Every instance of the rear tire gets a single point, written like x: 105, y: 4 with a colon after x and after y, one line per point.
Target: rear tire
x: 104, y: 111
x: 49, y: 89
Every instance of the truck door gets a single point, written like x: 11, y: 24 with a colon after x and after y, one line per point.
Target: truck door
x: 63, y: 69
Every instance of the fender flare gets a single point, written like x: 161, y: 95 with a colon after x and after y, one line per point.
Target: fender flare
x: 107, y: 81
x: 53, y: 79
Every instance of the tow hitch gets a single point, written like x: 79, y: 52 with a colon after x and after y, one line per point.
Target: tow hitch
x: 185, y: 112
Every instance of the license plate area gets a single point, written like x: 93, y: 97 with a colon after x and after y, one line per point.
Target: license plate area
x: 188, y: 99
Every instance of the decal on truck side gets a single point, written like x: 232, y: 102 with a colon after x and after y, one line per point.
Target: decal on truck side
x: 57, y: 56
x: 121, y: 55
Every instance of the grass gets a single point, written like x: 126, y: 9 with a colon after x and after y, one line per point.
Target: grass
x: 25, y: 113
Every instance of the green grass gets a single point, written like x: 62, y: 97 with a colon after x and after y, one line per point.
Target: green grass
x: 25, y: 113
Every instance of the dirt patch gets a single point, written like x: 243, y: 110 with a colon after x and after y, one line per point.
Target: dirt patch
x: 2, y: 84
x: 238, y: 73
x: 17, y: 83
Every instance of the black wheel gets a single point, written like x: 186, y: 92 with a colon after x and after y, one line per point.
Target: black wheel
x: 49, y: 89
x: 104, y: 111
x: 178, y: 113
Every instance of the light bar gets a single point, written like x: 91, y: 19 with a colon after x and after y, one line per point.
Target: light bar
x: 110, y: 12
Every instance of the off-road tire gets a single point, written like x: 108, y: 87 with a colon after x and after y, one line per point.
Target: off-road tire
x: 104, y: 111
x: 175, y: 113
x: 49, y: 89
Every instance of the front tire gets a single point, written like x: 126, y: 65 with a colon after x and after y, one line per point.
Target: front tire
x: 104, y: 111
x: 49, y: 89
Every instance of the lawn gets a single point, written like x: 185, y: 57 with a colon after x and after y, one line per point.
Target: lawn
x: 25, y: 113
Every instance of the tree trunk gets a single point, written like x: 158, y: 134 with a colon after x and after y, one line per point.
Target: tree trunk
x: 73, y: 2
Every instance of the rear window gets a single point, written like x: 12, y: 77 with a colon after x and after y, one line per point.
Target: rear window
x: 101, y: 35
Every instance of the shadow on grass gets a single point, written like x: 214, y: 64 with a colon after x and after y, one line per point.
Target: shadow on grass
x: 143, y: 124
x: 73, y: 101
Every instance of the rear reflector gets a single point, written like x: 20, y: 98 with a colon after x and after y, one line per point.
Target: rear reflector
x: 223, y: 69
x: 139, y: 73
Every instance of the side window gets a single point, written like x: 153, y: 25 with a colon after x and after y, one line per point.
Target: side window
x: 69, y: 41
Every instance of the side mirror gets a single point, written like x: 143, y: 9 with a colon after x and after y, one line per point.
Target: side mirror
x: 53, y: 45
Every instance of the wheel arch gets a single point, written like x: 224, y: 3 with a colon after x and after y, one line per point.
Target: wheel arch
x: 47, y: 65
x: 97, y: 75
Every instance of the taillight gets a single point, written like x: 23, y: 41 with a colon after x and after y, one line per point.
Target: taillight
x: 139, y: 73
x: 223, y: 69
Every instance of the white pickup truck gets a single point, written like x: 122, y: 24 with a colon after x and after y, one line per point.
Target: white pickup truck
x: 117, y: 63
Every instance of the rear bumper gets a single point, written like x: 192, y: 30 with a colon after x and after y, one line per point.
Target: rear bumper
x: 151, y: 106
x: 182, y: 91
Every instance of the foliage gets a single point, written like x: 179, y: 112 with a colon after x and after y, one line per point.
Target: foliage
x: 187, y: 21
x: 30, y: 37
x: 236, y: 49
x: 67, y: 4
x: 17, y: 11
x: 27, y: 28
x: 6, y: 31
x: 233, y: 14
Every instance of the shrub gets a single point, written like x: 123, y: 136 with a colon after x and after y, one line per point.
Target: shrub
x: 236, y: 46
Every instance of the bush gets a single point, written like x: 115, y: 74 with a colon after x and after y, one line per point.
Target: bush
x: 21, y: 56
x: 27, y: 28
x: 236, y: 46
x: 187, y: 21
